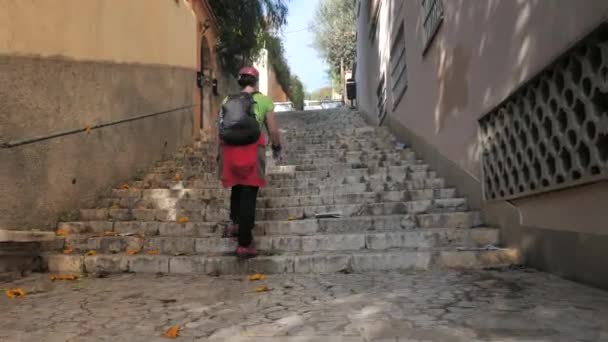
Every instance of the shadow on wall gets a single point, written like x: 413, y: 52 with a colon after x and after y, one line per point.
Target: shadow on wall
x: 454, y: 62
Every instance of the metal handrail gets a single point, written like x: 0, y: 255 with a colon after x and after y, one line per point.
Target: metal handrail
x: 12, y: 144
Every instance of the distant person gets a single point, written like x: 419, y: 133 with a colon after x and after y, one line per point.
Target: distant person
x: 242, y: 155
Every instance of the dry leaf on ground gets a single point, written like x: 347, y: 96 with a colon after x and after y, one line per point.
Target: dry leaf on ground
x: 183, y: 219
x: 132, y: 251
x: 68, y: 251
x: 125, y: 186
x: 262, y: 288
x: 177, y: 178
x: 153, y: 252
x: 62, y: 232
x: 257, y: 276
x: 173, y: 332
x: 15, y: 293
x: 91, y: 253
x: 64, y: 277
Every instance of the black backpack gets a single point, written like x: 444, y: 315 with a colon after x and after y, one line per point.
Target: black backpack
x: 238, y: 124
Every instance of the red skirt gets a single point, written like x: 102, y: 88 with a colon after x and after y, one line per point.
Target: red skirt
x: 243, y: 165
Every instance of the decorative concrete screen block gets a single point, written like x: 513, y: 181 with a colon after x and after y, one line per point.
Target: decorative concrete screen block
x: 553, y: 131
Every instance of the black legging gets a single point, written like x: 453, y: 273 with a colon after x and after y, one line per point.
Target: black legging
x: 242, y: 211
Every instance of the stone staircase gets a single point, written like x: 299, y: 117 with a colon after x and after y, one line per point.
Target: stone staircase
x: 396, y: 213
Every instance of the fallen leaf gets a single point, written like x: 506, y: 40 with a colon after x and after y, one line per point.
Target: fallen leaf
x: 62, y: 232
x: 125, y: 186
x: 262, y: 288
x: 173, y: 332
x: 183, y: 219
x: 153, y: 252
x: 68, y: 251
x: 177, y: 178
x: 64, y: 277
x: 91, y: 253
x: 15, y: 293
x: 132, y: 251
x: 257, y: 276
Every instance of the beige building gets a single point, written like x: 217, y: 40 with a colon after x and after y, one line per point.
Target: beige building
x: 509, y: 101
x: 93, y: 91
x: 269, y: 85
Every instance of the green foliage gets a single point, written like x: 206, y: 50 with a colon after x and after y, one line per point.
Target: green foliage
x: 334, y: 30
x: 276, y: 58
x: 245, y: 28
x: 241, y: 24
x: 297, y: 92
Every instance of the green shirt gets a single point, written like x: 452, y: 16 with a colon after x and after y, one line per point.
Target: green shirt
x: 263, y: 106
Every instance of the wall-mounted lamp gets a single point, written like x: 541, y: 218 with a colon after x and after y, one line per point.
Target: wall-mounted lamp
x: 200, y: 78
x: 214, y: 84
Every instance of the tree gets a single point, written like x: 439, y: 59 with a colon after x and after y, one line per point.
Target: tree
x: 276, y: 57
x: 335, y: 33
x: 297, y: 92
x: 242, y: 26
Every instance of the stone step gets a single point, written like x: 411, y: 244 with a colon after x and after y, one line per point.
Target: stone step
x: 370, y: 153
x: 340, y: 142
x: 213, y: 201
x: 416, y: 172
x: 317, y: 262
x: 218, y: 213
x: 322, y: 132
x: 359, y: 224
x: 365, y: 209
x: 353, y: 158
x: 374, y: 165
x: 340, y: 148
x: 420, y: 238
x: 328, y: 159
x: 185, y: 189
x: 381, y: 180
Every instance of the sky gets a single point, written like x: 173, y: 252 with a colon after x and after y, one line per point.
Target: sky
x: 302, y: 58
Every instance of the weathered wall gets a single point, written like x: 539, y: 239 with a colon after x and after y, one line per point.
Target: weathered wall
x: 275, y: 90
x: 134, y: 31
x: 67, y: 64
x: 268, y: 83
x: 483, y: 51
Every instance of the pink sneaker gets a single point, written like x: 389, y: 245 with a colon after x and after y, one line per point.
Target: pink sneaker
x: 246, y: 252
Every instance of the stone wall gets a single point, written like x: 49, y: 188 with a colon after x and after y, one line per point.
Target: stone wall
x: 69, y: 64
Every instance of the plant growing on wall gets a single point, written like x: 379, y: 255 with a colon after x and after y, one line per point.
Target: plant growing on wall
x: 276, y: 58
x: 242, y: 27
x: 296, y: 88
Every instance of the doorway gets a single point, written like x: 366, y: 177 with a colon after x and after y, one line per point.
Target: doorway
x: 206, y: 125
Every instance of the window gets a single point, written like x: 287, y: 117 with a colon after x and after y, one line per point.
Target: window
x: 398, y: 66
x: 381, y: 93
x: 433, y: 17
x: 375, y: 14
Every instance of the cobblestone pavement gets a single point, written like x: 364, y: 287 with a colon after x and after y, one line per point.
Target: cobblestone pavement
x: 432, y: 306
